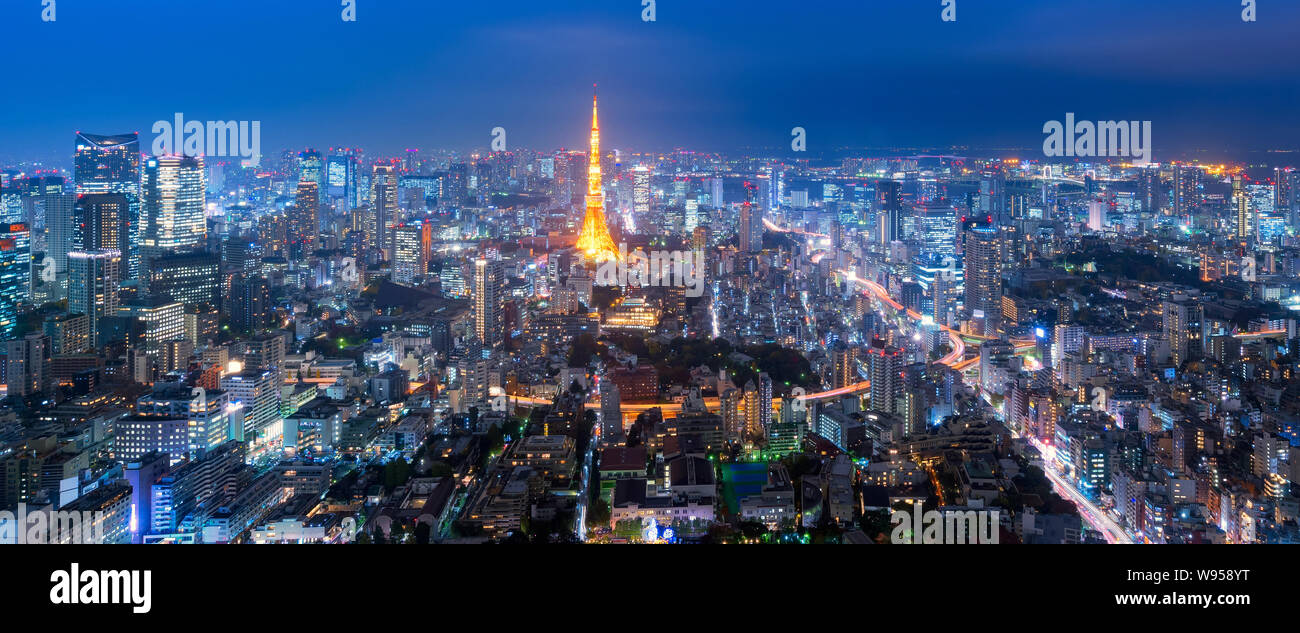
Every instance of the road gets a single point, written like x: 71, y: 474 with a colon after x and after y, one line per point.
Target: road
x: 1097, y: 518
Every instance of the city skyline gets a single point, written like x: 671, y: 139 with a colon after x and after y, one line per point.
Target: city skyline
x: 879, y: 77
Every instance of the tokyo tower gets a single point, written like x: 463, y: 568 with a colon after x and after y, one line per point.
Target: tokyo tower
x: 594, y: 240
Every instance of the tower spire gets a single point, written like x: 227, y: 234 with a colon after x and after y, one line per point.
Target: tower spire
x: 594, y: 239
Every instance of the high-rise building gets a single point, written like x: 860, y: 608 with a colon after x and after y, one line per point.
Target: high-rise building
x: 1179, y: 319
x: 98, y: 222
x: 60, y: 226
x: 250, y: 301
x: 383, y: 205
x: 993, y: 196
x: 936, y: 226
x: 749, y: 229
x: 641, y: 192
x: 15, y: 274
x: 92, y: 286
x: 889, y: 210
x: 489, y: 302
x: 1241, y: 203
x: 983, y: 278
x: 190, y: 278
x: 412, y: 247
x: 254, y: 394
x: 159, y: 321
x: 27, y: 364
x: 1186, y: 190
x: 885, y: 364
x: 111, y: 164
x: 173, y: 220
x: 304, y: 220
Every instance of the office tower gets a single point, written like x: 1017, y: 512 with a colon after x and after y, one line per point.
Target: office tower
x: 98, y: 222
x: 60, y: 227
x: 311, y: 168
x: 92, y: 286
x: 303, y: 225
x: 983, y: 271
x: 412, y: 246
x: 1096, y: 215
x: 250, y: 300
x: 885, y: 364
x: 383, y: 206
x: 190, y: 278
x: 173, y: 219
x: 1186, y: 190
x: 255, y: 393
x: 611, y: 416
x: 936, y: 225
x: 157, y: 321
x: 15, y: 274
x: 1150, y: 191
x: 750, y: 227
x: 641, y: 192
x: 489, y: 302
x: 27, y: 364
x: 111, y: 164
x: 889, y: 210
x: 1285, y: 180
x: 993, y: 196
x: 1241, y: 203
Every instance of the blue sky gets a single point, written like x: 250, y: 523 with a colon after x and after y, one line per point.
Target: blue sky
x: 708, y: 74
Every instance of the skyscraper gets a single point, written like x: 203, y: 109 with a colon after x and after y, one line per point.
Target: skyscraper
x: 304, y: 219
x: 111, y: 164
x: 489, y: 302
x: 885, y: 363
x: 983, y: 270
x: 60, y: 226
x: 749, y: 230
x: 641, y: 192
x: 594, y: 239
x: 1241, y: 203
x: 889, y: 210
x: 412, y: 246
x: 92, y: 286
x: 173, y: 217
x: 1186, y: 190
x: 15, y: 273
x: 383, y: 205
x: 98, y: 222
x: 936, y: 225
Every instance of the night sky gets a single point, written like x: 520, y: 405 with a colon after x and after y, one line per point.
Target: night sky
x: 709, y: 74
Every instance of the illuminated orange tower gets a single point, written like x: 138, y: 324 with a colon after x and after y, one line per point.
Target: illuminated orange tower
x: 594, y: 240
